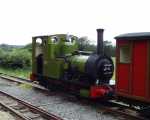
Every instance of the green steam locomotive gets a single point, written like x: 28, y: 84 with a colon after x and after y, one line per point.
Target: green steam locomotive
x: 58, y: 63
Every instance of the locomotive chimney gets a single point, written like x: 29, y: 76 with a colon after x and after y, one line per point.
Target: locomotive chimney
x: 100, y: 47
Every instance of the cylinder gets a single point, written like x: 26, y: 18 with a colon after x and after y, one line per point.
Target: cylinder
x: 100, y: 47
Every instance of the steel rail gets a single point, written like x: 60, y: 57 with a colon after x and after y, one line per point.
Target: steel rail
x: 106, y: 108
x: 123, y: 112
x: 32, y: 108
x: 14, y: 111
x: 23, y: 81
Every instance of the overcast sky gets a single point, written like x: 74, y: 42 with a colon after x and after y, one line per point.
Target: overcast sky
x: 22, y: 19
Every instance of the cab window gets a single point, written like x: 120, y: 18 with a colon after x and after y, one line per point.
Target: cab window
x: 54, y: 39
x: 38, y: 47
x: 70, y: 39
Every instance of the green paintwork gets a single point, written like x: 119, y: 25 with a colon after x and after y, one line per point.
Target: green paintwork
x: 54, y: 48
x: 58, y: 55
x: 61, y: 47
x: 79, y: 62
x: 54, y: 68
x: 34, y: 67
x: 84, y: 93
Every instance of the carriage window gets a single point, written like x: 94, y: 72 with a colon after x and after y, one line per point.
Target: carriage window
x: 125, y: 54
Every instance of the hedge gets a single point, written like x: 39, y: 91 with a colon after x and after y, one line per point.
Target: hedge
x: 17, y: 58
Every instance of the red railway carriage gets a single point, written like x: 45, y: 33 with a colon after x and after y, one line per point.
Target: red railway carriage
x: 133, y: 66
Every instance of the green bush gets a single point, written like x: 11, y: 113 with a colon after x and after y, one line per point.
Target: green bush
x: 17, y: 58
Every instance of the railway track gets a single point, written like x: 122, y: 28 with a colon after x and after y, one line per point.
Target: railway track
x: 24, y: 110
x: 22, y: 81
x: 112, y: 108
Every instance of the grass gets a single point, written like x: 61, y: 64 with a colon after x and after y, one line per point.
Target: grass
x: 24, y: 73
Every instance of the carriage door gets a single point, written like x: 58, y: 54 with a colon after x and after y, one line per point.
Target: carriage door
x: 140, y: 64
x: 123, y: 66
x: 39, y: 56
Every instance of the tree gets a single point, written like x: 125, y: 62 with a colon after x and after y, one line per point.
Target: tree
x: 14, y: 57
x: 83, y: 42
x: 28, y: 47
x: 109, y: 48
x: 85, y: 45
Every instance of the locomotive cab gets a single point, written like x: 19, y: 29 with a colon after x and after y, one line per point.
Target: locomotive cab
x: 49, y: 51
x: 37, y: 55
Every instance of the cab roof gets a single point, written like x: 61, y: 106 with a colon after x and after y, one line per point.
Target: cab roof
x: 58, y: 35
x: 134, y: 36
